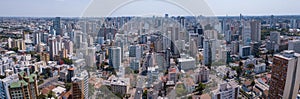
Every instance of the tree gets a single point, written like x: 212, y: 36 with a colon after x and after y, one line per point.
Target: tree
x: 42, y: 96
x: 200, y: 88
x: 67, y: 61
x: 68, y: 86
x: 51, y: 94
x: 145, y: 94
x: 251, y: 66
x: 15, y: 49
x: 241, y: 63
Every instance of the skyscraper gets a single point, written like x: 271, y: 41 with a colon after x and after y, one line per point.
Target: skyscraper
x: 275, y: 37
x: 53, y: 50
x: 246, y: 34
x: 114, y: 57
x: 285, y: 75
x: 80, y: 86
x: 207, y: 52
x: 255, y: 31
x: 57, y: 26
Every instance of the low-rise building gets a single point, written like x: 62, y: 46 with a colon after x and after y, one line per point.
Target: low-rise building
x: 228, y: 90
x: 120, y: 85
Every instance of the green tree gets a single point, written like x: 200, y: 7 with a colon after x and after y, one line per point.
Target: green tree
x: 42, y: 96
x: 200, y: 88
x: 68, y: 86
x: 144, y: 96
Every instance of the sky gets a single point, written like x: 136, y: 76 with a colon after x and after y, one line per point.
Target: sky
x: 77, y: 8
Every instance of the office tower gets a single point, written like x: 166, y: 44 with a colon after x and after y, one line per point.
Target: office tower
x: 293, y: 23
x: 207, y: 46
x: 228, y: 90
x: 246, y: 34
x: 244, y: 51
x: 25, y: 88
x: 193, y: 48
x: 135, y: 51
x: 80, y: 86
x: 182, y: 22
x: 57, y: 25
x: 294, y: 45
x: 135, y: 64
x: 78, y: 39
x: 167, y: 57
x: 90, y: 57
x: 228, y: 36
x: 4, y: 85
x: 255, y: 31
x: 285, y: 75
x: 120, y: 43
x: 53, y: 50
x: 114, y: 54
x: 275, y: 37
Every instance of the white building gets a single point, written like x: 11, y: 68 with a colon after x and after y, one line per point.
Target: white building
x: 228, y: 90
x: 250, y: 60
x: 186, y: 63
x: 260, y: 68
x: 294, y: 45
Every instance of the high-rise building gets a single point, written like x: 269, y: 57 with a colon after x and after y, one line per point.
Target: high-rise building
x: 4, y: 85
x: 275, y: 37
x: 244, y: 51
x: 25, y: 88
x: 57, y: 25
x: 207, y: 52
x: 114, y: 54
x: 90, y: 57
x: 80, y: 86
x: 285, y: 75
x: 294, y: 45
x: 135, y: 51
x: 246, y: 33
x: 255, y: 31
x: 53, y: 50
x: 228, y: 36
x: 193, y: 48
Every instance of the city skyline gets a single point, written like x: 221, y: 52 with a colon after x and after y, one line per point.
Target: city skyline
x: 78, y: 8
